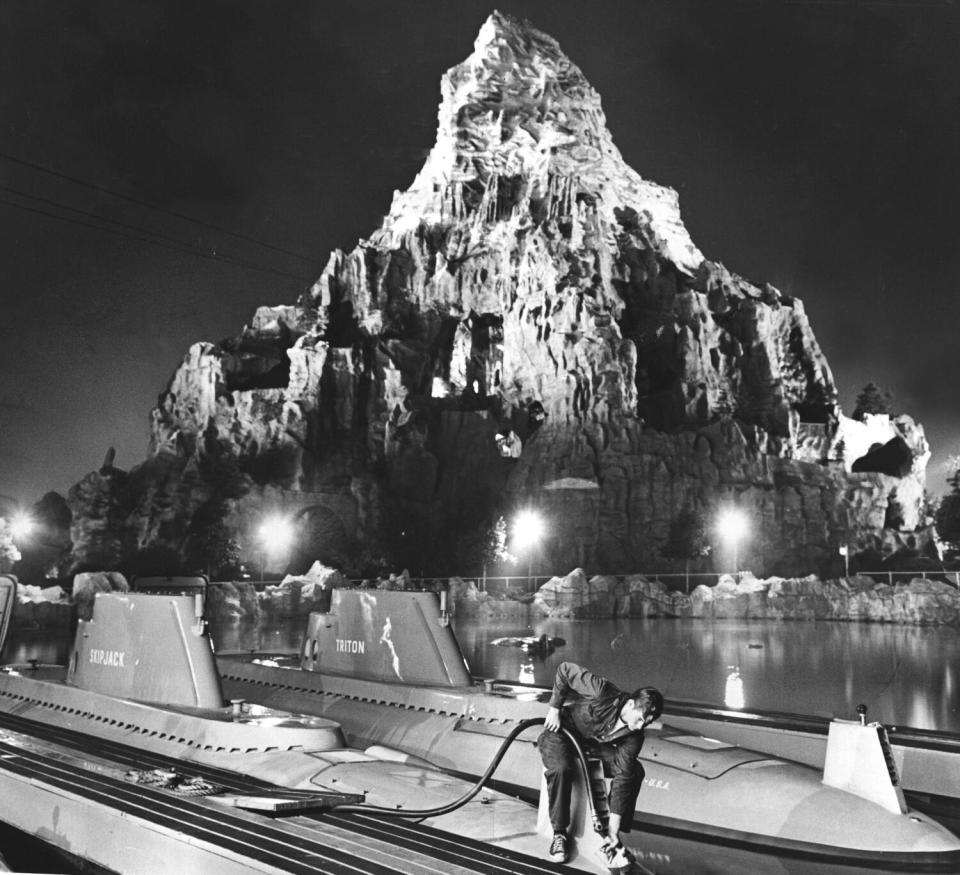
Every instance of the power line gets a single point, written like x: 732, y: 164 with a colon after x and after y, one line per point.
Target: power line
x: 156, y: 242
x: 58, y: 205
x: 150, y: 206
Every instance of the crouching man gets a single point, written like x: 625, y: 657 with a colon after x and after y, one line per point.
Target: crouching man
x: 607, y: 722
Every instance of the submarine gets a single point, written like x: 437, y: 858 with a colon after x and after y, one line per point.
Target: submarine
x: 386, y: 666
x: 142, y: 673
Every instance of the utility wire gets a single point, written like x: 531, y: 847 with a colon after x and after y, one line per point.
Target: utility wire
x: 145, y: 239
x: 150, y: 206
x: 61, y: 206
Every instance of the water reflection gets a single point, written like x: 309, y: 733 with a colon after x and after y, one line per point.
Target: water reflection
x: 904, y: 674
x: 282, y: 635
x: 24, y: 646
x: 733, y: 694
x: 528, y: 674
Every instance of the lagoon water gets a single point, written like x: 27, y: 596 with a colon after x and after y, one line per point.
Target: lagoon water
x: 905, y: 675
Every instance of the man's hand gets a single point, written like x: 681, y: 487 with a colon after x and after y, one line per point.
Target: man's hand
x: 613, y: 829
x: 552, y: 720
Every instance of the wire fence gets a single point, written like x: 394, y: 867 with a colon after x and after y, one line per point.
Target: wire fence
x: 686, y: 583
x: 525, y: 586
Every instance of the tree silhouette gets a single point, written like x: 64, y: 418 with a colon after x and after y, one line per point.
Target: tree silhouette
x: 485, y: 546
x: 947, y: 520
x: 211, y: 545
x: 872, y: 399
x: 687, y: 539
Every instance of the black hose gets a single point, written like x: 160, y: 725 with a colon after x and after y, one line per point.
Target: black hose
x: 364, y: 808
x: 598, y: 825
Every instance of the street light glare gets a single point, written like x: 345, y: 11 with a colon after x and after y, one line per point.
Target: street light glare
x: 21, y: 526
x: 276, y: 533
x: 732, y: 525
x: 528, y: 528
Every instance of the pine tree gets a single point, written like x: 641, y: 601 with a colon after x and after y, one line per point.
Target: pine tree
x: 948, y: 513
x: 874, y: 400
x: 687, y: 539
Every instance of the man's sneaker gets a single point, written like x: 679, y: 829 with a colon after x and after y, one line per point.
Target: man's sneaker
x: 558, y: 848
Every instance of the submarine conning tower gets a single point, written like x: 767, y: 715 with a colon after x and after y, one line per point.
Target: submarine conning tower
x: 148, y: 647
x: 385, y: 635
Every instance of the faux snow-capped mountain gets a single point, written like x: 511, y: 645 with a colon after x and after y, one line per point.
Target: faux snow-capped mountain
x: 528, y: 284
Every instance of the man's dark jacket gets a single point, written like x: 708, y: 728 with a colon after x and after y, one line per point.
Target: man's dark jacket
x: 593, y: 711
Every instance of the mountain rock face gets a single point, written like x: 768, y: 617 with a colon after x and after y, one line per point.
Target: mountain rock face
x: 530, y: 326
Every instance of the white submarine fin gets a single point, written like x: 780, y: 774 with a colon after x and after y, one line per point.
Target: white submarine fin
x: 859, y: 761
x: 144, y: 646
x: 387, y: 636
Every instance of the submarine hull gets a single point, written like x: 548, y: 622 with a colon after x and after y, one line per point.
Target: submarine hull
x: 693, y: 786
x: 372, y: 664
x: 142, y: 676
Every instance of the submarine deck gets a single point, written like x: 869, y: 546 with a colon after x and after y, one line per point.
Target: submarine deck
x: 72, y: 775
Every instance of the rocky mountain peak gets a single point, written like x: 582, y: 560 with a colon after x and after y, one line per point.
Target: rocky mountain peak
x: 531, y: 325
x: 521, y: 137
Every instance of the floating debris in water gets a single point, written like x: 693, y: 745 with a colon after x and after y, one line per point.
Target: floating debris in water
x: 543, y: 643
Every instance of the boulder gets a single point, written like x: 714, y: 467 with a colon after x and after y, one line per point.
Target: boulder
x: 574, y: 597
x: 308, y: 592
x: 919, y: 601
x: 87, y: 584
x: 650, y: 598
x: 231, y: 602
x: 465, y: 599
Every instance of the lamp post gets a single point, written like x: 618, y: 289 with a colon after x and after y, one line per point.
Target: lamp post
x: 528, y: 529
x: 844, y: 551
x: 732, y: 526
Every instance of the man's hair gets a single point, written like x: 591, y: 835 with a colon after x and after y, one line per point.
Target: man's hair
x: 649, y: 700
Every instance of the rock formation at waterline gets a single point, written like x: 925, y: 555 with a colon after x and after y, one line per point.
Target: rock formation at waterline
x: 531, y: 325
x: 920, y: 601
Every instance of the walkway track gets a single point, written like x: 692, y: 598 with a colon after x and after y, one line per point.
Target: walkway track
x: 305, y: 843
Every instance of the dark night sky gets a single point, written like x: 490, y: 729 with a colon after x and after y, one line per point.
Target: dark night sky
x: 815, y: 145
